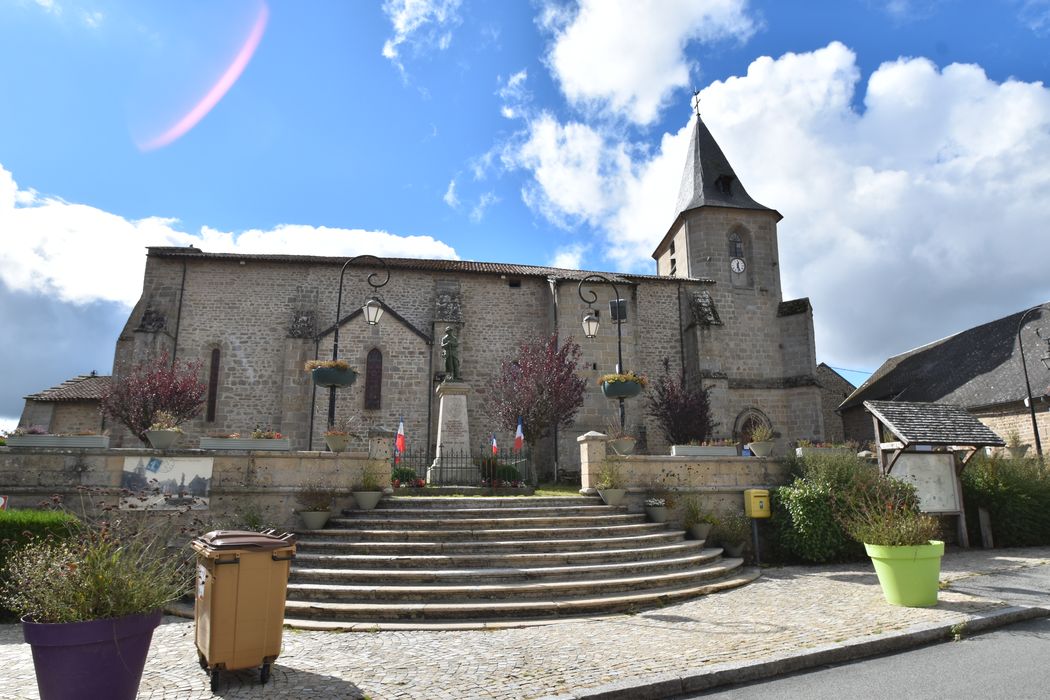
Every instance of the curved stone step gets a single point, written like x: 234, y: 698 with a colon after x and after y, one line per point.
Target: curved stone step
x: 332, y: 615
x: 557, y: 589
x: 497, y: 522
x: 432, y: 503
x: 501, y: 575
x: 395, y: 512
x: 401, y: 561
x: 490, y: 534
x: 333, y: 545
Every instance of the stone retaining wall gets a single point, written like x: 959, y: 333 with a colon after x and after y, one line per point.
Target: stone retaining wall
x: 719, y: 482
x: 245, y: 487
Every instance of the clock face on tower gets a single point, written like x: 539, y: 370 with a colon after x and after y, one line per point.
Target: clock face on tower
x: 737, y: 265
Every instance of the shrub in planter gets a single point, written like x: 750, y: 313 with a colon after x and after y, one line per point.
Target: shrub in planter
x: 696, y: 522
x: 106, y: 586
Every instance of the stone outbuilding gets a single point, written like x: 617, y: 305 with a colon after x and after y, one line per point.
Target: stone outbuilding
x: 978, y: 369
x: 67, y: 409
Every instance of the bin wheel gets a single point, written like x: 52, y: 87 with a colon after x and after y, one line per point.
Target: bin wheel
x: 264, y: 673
x: 215, y: 680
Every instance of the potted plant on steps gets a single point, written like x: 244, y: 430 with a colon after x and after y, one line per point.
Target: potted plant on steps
x: 369, y: 491
x: 732, y: 532
x: 164, y: 431
x: 900, y: 540
x: 695, y: 521
x: 656, y: 509
x: 89, y: 605
x: 610, y: 482
x: 761, y: 444
x: 315, y: 499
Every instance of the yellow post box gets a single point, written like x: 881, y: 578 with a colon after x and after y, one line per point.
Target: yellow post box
x: 756, y: 503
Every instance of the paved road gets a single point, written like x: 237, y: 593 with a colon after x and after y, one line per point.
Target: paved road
x: 791, y: 618
x: 1013, y: 662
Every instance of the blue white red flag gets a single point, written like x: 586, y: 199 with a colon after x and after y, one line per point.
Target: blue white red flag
x: 494, y: 448
x: 519, y: 437
x: 399, y: 442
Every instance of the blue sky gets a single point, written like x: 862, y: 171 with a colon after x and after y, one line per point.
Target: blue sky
x: 906, y: 143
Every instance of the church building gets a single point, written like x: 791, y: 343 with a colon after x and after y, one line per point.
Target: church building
x: 714, y: 306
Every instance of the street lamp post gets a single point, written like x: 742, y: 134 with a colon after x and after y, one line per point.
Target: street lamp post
x: 590, y: 324
x: 372, y: 309
x: 1024, y: 366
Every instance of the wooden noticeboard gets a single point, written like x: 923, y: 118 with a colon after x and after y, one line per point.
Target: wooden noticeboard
x: 935, y: 480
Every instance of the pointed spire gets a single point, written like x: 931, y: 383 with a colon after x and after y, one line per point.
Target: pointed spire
x: 708, y: 178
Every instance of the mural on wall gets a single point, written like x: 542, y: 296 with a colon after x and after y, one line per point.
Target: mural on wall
x: 166, y: 483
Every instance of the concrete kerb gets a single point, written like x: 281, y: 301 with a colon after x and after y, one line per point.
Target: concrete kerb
x: 667, y: 685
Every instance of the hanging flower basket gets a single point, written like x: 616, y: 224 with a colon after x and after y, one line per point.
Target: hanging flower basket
x: 621, y: 389
x: 333, y: 373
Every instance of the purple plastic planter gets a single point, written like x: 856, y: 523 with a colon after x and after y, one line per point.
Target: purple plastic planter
x: 93, y: 659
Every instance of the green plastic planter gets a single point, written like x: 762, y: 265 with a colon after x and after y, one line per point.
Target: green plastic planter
x: 908, y: 575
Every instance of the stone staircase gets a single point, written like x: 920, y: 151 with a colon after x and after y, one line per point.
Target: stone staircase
x: 468, y: 562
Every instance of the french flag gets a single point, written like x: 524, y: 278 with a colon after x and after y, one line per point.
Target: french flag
x: 495, y: 449
x: 399, y: 442
x: 519, y: 437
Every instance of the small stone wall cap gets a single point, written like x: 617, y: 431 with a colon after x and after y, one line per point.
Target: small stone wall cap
x: 591, y: 435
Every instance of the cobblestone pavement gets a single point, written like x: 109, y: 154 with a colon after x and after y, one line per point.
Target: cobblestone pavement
x: 789, y: 609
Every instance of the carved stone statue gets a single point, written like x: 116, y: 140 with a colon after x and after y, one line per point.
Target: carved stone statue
x: 450, y: 351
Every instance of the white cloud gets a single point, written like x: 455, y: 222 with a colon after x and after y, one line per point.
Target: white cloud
x: 450, y: 194
x: 515, y: 95
x: 80, y: 254
x: 917, y: 217
x: 484, y: 202
x: 1035, y: 14
x: 92, y: 19
x: 421, y: 24
x: 50, y: 6
x: 569, y: 257
x: 8, y: 424
x: 577, y: 172
x: 629, y: 55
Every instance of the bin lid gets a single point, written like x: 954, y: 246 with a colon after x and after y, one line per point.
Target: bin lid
x: 244, y: 539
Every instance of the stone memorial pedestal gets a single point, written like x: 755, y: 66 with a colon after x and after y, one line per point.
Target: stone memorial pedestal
x: 452, y: 464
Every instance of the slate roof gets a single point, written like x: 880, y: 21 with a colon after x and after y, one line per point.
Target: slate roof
x: 421, y: 264
x: 932, y: 424
x: 975, y: 368
x: 705, y: 164
x: 86, y: 387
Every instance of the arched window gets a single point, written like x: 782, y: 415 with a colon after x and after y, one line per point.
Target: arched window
x: 736, y: 245
x: 213, y: 386
x: 374, y: 379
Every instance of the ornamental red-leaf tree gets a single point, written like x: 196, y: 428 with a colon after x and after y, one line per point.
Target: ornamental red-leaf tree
x: 135, y: 398
x: 682, y: 409
x: 541, y: 386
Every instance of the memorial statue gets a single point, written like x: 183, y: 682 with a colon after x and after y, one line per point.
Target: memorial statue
x: 450, y: 351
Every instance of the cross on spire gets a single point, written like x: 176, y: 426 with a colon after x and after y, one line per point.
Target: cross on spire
x: 696, y: 101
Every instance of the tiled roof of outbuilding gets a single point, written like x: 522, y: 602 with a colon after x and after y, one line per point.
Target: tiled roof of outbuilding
x: 978, y: 367
x: 86, y: 387
x: 932, y: 424
x: 452, y: 266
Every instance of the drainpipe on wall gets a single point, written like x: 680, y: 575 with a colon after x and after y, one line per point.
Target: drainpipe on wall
x: 430, y: 394
x: 178, y: 314
x: 553, y: 283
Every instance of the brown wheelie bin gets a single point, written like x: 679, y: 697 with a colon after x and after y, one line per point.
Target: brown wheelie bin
x: 242, y: 579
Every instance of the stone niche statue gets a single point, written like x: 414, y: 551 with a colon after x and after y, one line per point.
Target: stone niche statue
x: 450, y: 351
